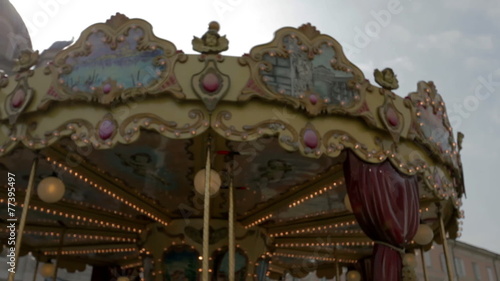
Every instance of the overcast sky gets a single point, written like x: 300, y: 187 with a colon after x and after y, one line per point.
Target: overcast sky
x: 454, y: 43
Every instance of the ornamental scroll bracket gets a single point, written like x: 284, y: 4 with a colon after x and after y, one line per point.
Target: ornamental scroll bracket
x: 390, y: 116
x: 210, y: 84
x: 19, y: 99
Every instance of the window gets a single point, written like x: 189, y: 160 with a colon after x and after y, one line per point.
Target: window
x: 477, y: 271
x: 459, y: 265
x: 490, y: 274
x: 427, y: 259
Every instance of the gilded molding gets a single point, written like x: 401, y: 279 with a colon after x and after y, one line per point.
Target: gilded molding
x: 106, y: 133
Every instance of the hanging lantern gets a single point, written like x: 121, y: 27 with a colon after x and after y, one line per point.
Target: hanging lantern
x: 347, y: 203
x: 353, y: 275
x: 409, y: 259
x: 424, y: 234
x: 199, y: 182
x: 47, y: 270
x: 51, y: 190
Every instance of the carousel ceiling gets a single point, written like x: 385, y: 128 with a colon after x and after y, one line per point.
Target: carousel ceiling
x: 124, y: 119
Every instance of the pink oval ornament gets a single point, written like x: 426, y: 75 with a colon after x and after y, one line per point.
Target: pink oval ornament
x: 392, y: 117
x: 18, y: 98
x: 310, y: 139
x: 313, y: 99
x: 210, y: 82
x: 106, y: 129
x: 106, y: 88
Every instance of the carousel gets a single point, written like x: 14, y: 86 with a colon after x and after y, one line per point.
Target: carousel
x: 125, y: 153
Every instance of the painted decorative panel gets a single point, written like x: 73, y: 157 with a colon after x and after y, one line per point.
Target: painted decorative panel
x: 112, y: 62
x: 297, y: 74
x: 308, y: 70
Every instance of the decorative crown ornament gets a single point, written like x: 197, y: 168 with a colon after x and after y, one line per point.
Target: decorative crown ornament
x: 211, y: 42
x: 386, y: 79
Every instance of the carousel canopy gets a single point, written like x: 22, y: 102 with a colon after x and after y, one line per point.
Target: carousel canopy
x: 125, y: 120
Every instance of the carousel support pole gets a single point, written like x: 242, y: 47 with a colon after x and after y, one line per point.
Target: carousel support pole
x: 231, y: 229
x: 424, y: 269
x: 449, y: 265
x: 206, y: 217
x: 24, y: 214
x: 337, y: 273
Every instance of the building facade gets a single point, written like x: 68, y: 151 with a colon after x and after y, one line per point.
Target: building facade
x: 470, y: 263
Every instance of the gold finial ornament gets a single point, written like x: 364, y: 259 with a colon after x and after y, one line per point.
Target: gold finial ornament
x: 117, y: 20
x: 386, y: 79
x: 211, y: 42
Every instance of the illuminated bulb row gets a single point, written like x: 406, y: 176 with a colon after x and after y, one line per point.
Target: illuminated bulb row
x: 100, y: 237
x: 173, y: 244
x: 144, y: 251
x: 78, y: 217
x: 259, y: 221
x: 43, y: 233
x: 437, y: 186
x: 314, y: 194
x: 92, y: 206
x: 86, y: 180
x: 423, y: 210
x: 93, y: 251
x: 83, y: 218
x: 323, y: 244
x: 312, y: 229
x: 137, y: 264
x: 313, y: 258
x: 80, y: 236
x: 409, y: 169
x: 309, y: 215
x: 109, y: 192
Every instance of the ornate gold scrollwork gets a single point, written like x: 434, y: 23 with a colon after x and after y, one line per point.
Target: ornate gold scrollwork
x: 19, y: 99
x: 210, y: 84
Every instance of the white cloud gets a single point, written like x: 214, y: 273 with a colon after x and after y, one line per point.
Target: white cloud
x: 491, y: 8
x: 495, y: 117
x: 453, y: 41
x: 444, y: 41
x: 399, y: 33
x: 478, y: 63
x: 402, y: 62
x: 367, y: 68
x: 482, y: 42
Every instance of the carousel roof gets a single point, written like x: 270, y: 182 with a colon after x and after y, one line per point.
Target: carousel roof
x: 124, y: 119
x: 14, y: 37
